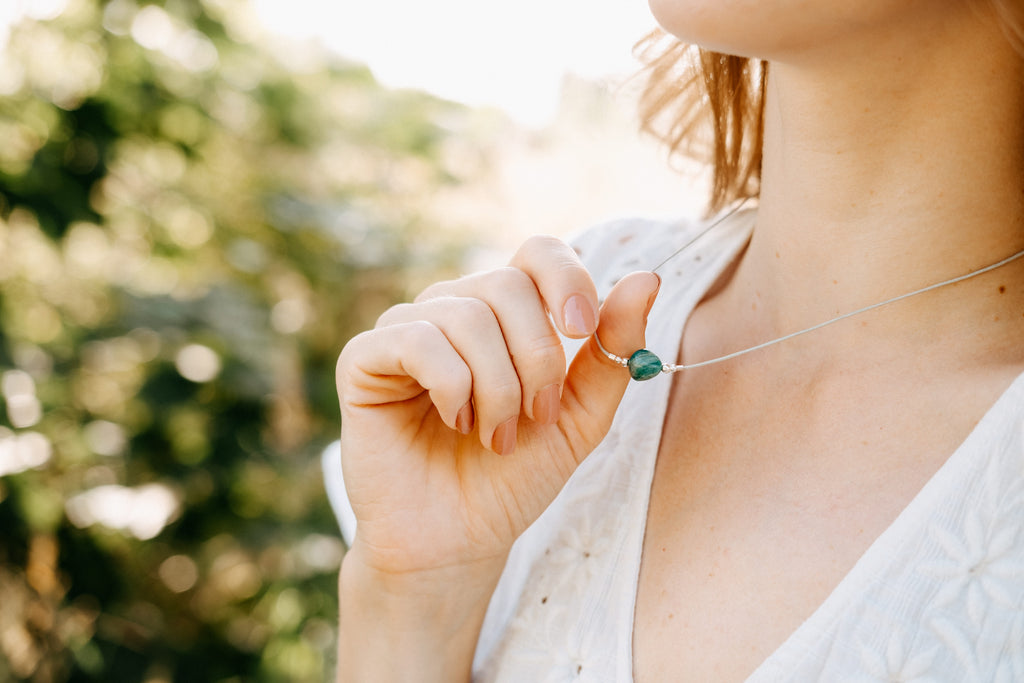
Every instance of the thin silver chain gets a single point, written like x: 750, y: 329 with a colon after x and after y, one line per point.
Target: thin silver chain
x: 676, y: 367
x: 703, y: 232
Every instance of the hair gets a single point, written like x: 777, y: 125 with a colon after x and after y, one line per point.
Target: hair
x: 692, y: 93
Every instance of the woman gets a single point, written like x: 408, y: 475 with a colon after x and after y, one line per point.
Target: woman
x: 842, y: 504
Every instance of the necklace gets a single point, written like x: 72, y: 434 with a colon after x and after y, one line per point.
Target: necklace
x: 645, y: 364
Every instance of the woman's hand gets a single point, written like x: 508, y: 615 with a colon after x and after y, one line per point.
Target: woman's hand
x: 459, y: 422
x: 460, y: 425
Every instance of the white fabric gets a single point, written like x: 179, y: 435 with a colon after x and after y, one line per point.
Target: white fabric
x: 337, y: 496
x: 939, y: 596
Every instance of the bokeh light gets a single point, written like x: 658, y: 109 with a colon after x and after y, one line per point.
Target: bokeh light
x: 141, y: 511
x: 195, y: 215
x: 197, y: 363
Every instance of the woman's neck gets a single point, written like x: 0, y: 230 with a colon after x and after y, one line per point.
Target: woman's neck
x: 885, y: 172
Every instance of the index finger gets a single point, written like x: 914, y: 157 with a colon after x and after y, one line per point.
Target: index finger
x: 564, y: 284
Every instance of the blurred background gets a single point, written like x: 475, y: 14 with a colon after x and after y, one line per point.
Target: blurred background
x: 200, y: 202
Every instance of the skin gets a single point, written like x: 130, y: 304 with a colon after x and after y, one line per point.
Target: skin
x: 440, y: 498
x: 885, y: 170
x: 900, y: 163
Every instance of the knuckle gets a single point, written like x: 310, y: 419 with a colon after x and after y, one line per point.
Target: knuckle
x: 505, y: 394
x: 392, y: 315
x: 545, y: 362
x: 552, y: 251
x: 434, y: 291
x: 470, y: 313
x: 569, y: 265
x: 547, y: 344
x: 341, y: 367
x: 547, y: 349
x: 453, y: 384
x: 510, y: 280
x: 459, y: 376
x: 354, y: 346
x: 552, y: 261
x: 348, y: 360
x: 417, y: 333
x: 541, y: 243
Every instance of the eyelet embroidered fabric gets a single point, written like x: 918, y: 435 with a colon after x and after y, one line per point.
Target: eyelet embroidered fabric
x: 938, y: 596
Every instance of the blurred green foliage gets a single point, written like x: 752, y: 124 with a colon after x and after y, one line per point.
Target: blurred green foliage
x: 191, y: 225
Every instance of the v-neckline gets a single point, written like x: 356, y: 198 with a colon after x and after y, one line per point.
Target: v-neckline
x: 952, y: 470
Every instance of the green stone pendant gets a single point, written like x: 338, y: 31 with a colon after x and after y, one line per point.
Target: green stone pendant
x: 644, y: 365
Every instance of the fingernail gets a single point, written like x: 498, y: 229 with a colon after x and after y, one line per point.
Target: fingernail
x: 654, y: 296
x: 545, y: 405
x: 504, y: 440
x: 579, y: 316
x: 464, y: 420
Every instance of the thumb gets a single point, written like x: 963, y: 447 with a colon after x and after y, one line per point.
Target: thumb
x: 595, y: 384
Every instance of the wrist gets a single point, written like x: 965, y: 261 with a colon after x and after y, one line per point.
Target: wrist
x: 404, y: 626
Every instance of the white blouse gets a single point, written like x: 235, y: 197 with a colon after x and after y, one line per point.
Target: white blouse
x: 939, y: 596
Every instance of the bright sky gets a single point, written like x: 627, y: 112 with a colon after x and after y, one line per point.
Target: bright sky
x: 511, y: 54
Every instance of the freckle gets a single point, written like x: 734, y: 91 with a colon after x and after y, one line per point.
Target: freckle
x: 835, y: 282
x: 697, y: 258
x: 753, y: 307
x: 995, y: 319
x: 671, y: 616
x: 627, y: 238
x: 544, y: 600
x: 1002, y: 289
x: 777, y: 255
x: 664, y: 550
